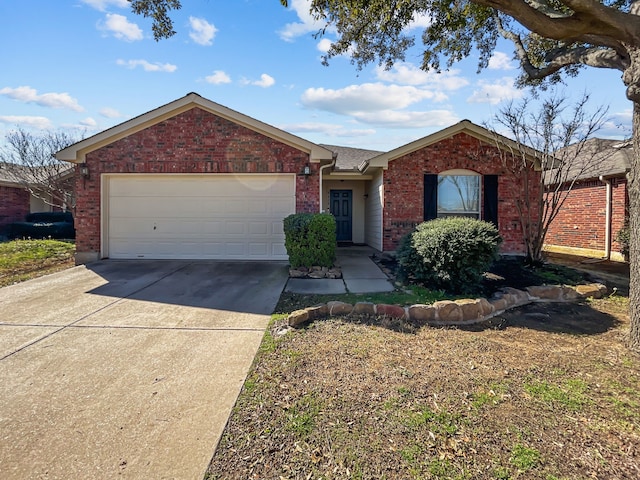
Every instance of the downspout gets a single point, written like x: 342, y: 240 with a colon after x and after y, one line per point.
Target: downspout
x: 607, y: 226
x: 333, y: 162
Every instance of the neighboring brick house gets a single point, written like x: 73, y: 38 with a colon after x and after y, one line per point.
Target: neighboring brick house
x: 597, y: 206
x: 14, y: 201
x: 194, y: 179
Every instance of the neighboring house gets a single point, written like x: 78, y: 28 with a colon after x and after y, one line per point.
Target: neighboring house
x: 597, y: 206
x: 194, y: 179
x: 15, y: 199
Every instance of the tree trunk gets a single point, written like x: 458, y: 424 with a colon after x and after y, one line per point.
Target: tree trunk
x: 634, y: 233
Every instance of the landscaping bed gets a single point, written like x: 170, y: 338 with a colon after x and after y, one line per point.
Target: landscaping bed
x: 547, y: 391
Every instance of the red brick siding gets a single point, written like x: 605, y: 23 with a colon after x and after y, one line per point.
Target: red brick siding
x: 581, y: 222
x: 194, y: 141
x: 404, y: 187
x: 14, y: 205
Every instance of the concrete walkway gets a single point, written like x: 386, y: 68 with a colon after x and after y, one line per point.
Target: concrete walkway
x: 359, y: 275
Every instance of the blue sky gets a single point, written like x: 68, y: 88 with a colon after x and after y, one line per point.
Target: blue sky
x: 92, y: 64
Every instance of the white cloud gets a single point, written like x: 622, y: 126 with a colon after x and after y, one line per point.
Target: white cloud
x: 103, y: 4
x: 265, y: 81
x: 27, y: 94
x: 120, y: 27
x: 307, y: 23
x: 40, y: 123
x: 148, y: 66
x: 330, y: 129
x: 408, y: 119
x: 109, y: 112
x: 324, y: 45
x: 496, y: 91
x: 88, y: 122
x: 618, y: 125
x: 218, y: 77
x: 409, y: 74
x: 202, y: 32
x: 420, y: 20
x: 500, y: 61
x: 367, y: 97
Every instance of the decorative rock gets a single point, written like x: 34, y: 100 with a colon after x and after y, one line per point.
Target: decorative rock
x: 448, y: 311
x: 594, y: 290
x: 470, y: 308
x: 520, y: 297
x: 569, y: 294
x: 422, y: 313
x: 364, y: 308
x: 545, y: 292
x: 315, y: 272
x: 297, y: 273
x: 498, y: 304
x: 297, y: 318
x: 334, y: 272
x: 317, y: 311
x: 485, y: 307
x: 339, y: 308
x: 395, y: 311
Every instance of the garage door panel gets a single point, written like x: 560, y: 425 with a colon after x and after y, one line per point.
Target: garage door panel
x: 199, y: 216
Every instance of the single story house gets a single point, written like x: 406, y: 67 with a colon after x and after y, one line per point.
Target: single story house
x: 195, y: 179
x: 597, y: 206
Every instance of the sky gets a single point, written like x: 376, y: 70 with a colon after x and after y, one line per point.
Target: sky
x: 86, y: 65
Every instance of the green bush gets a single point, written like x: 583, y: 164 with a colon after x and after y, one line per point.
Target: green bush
x: 623, y: 238
x: 450, y: 253
x: 310, y: 239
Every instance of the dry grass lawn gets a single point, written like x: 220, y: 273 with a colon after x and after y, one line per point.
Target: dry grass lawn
x: 543, y: 392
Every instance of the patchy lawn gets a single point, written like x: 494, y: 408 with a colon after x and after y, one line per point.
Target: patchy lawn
x: 22, y: 260
x: 547, y: 391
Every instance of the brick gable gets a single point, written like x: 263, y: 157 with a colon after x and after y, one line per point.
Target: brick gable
x: 404, y: 187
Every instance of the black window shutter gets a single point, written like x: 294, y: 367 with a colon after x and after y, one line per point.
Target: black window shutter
x: 491, y: 199
x: 430, y: 196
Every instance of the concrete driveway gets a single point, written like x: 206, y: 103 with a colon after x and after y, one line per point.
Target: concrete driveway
x: 127, y: 369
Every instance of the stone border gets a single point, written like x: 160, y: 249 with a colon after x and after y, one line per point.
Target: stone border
x: 316, y: 272
x: 451, y: 312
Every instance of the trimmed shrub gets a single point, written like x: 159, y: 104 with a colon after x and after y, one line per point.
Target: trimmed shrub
x: 449, y: 253
x: 310, y: 239
x: 623, y: 238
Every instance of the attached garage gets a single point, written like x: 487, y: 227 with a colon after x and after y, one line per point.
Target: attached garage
x: 191, y: 179
x: 222, y: 216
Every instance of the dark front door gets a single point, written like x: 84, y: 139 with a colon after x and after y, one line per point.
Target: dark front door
x: 341, y: 203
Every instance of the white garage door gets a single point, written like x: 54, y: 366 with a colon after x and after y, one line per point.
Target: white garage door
x: 220, y: 216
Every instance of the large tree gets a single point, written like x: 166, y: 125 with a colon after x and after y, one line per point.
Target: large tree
x: 551, y: 38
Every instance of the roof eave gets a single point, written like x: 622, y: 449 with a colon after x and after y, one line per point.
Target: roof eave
x: 77, y: 152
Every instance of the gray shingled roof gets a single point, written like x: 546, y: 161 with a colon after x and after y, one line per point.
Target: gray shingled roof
x: 21, y: 172
x: 605, y: 158
x: 349, y: 158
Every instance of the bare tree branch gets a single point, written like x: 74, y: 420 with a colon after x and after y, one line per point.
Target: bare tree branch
x: 28, y: 160
x: 560, y: 135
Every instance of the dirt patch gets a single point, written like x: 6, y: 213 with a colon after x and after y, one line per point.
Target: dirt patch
x: 543, y: 392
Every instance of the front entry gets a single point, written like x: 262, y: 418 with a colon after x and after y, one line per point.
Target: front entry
x: 341, y: 206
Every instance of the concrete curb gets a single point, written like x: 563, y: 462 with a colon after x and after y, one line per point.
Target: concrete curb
x: 451, y: 312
